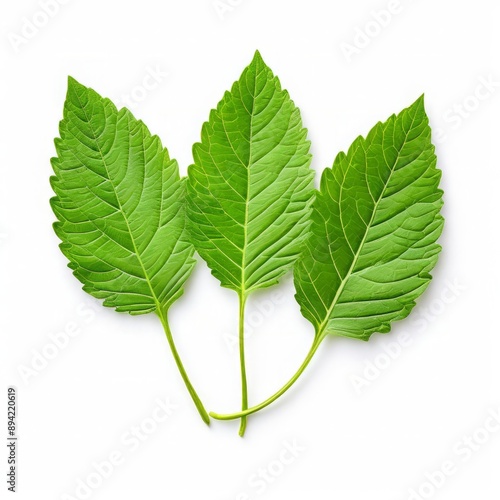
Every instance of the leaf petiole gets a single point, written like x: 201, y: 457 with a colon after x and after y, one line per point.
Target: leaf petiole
x: 275, y: 396
x: 194, y: 396
x: 244, y: 391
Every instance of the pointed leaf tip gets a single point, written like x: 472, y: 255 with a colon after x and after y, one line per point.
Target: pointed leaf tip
x: 257, y: 58
x: 74, y: 87
x: 73, y: 83
x: 419, y: 103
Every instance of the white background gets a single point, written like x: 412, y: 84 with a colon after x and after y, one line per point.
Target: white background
x: 376, y: 441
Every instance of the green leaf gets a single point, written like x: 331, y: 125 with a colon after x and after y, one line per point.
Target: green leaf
x: 250, y: 188
x: 374, y: 228
x: 120, y: 209
x: 120, y: 206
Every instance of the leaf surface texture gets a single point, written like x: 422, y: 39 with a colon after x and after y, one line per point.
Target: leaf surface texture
x: 120, y: 206
x: 250, y: 187
x: 374, y: 228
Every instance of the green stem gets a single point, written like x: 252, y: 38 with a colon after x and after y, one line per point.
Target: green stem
x: 244, y: 392
x: 274, y: 397
x: 180, y: 366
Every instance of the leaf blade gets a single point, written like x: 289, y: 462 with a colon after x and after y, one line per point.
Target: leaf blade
x: 374, y: 228
x: 250, y: 187
x: 119, y: 206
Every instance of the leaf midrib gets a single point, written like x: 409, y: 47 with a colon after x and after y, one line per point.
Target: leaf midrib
x: 321, y: 329
x: 136, y: 250
x: 244, y: 292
